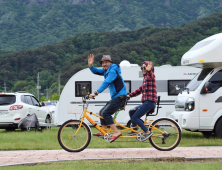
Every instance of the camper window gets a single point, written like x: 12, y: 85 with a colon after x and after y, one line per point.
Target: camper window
x: 216, y: 81
x: 128, y: 86
x: 217, y: 77
x: 175, y: 86
x: 82, y: 88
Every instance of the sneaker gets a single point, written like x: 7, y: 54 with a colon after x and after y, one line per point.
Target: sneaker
x: 132, y: 134
x: 147, y: 136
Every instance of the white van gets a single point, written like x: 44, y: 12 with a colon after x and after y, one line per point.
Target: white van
x: 170, y: 80
x: 199, y: 106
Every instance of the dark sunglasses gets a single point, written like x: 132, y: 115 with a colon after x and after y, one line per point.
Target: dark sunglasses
x: 143, y: 68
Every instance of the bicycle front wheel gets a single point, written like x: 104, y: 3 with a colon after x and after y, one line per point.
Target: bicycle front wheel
x: 166, y: 134
x: 71, y: 142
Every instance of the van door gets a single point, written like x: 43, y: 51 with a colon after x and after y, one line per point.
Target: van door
x: 209, y: 103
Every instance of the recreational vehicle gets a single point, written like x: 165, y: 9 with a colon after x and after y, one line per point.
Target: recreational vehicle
x: 170, y: 81
x: 199, y: 106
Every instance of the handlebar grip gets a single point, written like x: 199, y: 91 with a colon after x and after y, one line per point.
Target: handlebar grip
x: 127, y: 97
x: 87, y: 96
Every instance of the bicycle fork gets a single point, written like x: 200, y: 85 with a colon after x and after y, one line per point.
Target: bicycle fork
x: 91, y: 121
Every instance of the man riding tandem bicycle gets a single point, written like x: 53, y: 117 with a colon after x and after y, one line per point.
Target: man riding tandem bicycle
x: 164, y: 134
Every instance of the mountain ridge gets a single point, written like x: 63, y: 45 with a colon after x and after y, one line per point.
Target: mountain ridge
x: 44, y: 22
x: 160, y: 44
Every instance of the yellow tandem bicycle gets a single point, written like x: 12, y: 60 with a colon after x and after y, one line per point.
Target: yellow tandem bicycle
x: 75, y: 135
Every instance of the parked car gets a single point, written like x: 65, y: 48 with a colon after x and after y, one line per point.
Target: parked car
x: 16, y: 106
x: 51, y: 107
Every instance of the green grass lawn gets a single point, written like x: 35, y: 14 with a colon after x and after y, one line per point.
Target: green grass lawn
x: 127, y: 164
x: 47, y: 140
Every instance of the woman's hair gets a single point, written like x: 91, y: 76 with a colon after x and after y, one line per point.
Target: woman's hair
x: 146, y: 63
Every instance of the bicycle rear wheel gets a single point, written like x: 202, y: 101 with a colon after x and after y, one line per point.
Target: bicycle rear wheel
x: 72, y: 143
x: 169, y: 139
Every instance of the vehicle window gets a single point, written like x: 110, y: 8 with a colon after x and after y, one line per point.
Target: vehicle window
x: 216, y: 77
x: 35, y: 102
x: 29, y: 100
x: 175, y: 86
x: 23, y: 99
x: 196, y: 81
x: 216, y: 81
x: 7, y: 99
x: 128, y: 86
x: 82, y: 88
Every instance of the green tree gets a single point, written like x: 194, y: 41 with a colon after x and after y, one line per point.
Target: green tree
x: 54, y: 97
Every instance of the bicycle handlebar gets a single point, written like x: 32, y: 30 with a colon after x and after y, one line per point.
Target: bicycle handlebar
x: 86, y: 97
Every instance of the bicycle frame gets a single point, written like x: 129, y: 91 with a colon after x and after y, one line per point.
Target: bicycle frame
x: 104, y: 131
x: 72, y: 142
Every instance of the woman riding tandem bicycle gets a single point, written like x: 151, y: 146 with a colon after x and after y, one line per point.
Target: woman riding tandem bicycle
x: 149, y: 97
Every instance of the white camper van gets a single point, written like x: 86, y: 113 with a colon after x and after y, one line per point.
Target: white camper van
x: 199, y: 107
x: 170, y: 80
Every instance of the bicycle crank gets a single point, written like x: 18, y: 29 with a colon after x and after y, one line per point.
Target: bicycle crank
x: 140, y: 136
x: 107, y: 137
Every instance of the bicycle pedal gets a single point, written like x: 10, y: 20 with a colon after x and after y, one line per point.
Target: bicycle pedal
x: 140, y: 137
x: 107, y: 137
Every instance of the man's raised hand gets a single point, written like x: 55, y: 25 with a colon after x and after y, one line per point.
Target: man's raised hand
x: 90, y: 60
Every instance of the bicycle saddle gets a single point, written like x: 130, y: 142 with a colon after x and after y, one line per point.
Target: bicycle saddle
x: 150, y: 112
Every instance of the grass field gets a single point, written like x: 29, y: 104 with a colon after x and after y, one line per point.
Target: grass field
x: 127, y: 164
x: 47, y: 140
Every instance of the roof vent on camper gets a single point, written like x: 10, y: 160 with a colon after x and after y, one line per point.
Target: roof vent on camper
x: 166, y: 65
x: 126, y: 63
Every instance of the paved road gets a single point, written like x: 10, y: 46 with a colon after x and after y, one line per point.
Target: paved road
x: 34, y: 156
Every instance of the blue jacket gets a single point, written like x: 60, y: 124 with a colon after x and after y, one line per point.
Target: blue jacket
x: 113, y: 80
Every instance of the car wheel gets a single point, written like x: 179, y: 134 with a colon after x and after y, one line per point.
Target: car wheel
x: 10, y: 129
x: 218, y: 128
x: 47, y: 120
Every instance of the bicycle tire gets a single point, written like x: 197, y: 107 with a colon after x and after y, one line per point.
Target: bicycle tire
x: 169, y: 140
x: 72, y: 143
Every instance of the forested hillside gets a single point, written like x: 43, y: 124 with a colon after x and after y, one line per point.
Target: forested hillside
x: 160, y: 45
x: 28, y: 24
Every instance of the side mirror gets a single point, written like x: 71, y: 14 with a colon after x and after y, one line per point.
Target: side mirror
x: 208, y: 86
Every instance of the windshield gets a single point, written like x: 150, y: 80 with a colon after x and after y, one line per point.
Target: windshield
x: 7, y: 99
x: 194, y: 84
